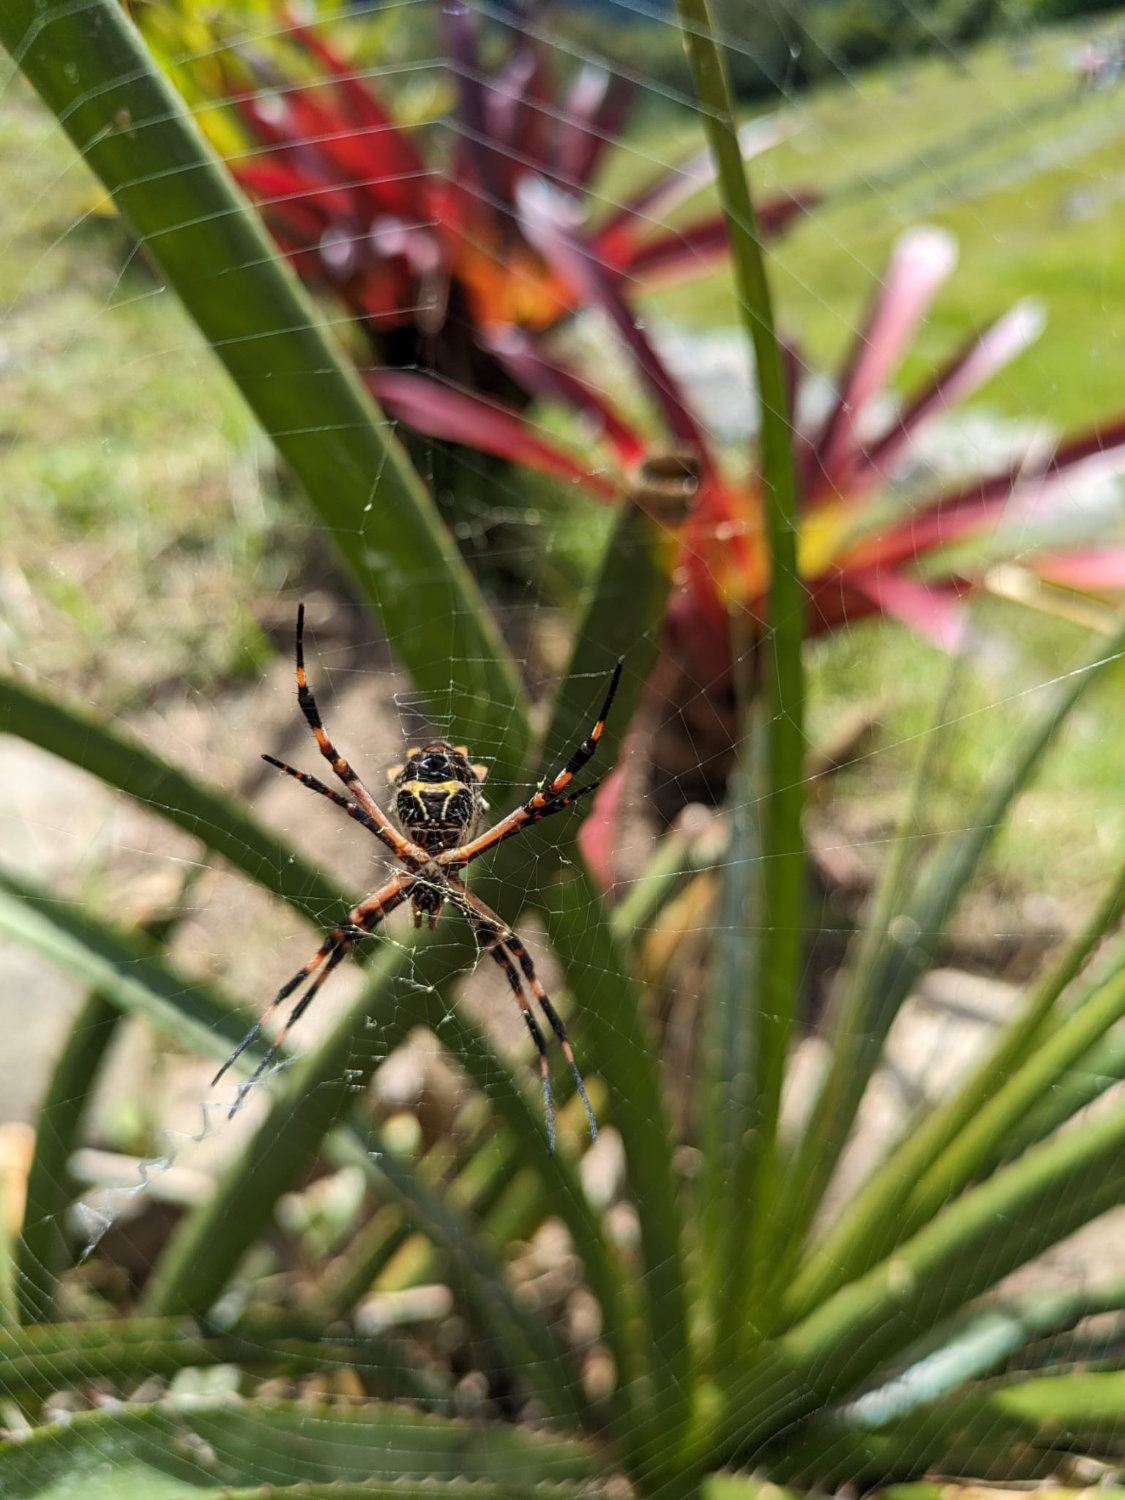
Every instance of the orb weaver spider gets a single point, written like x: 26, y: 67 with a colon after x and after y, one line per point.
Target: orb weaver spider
x: 435, y: 810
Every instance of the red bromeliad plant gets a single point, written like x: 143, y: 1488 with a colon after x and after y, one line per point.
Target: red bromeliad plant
x: 427, y: 248
x: 871, y: 542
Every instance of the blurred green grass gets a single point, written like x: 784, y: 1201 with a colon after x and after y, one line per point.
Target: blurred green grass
x: 1002, y: 148
x: 138, y: 495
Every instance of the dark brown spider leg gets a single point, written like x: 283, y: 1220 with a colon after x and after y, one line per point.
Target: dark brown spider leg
x: 586, y: 749
x: 489, y: 941
x: 337, y: 955
x: 410, y: 853
x: 485, y: 920
x: 332, y: 941
x: 524, y: 959
x: 547, y: 800
x: 336, y: 946
x: 352, y: 809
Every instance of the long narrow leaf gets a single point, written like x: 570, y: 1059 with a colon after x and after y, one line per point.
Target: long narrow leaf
x: 535, y: 1356
x: 783, y: 893
x: 730, y: 1032
x: 314, y: 1092
x: 128, y: 1351
x: 987, y: 1233
x: 981, y: 1341
x: 444, y: 411
x: 219, y: 821
x: 257, y: 1443
x: 42, y: 1252
x: 126, y: 969
x: 1019, y: 1428
x: 622, y: 617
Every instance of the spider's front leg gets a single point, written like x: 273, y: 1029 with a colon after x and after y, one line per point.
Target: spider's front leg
x: 547, y: 799
x: 375, y: 819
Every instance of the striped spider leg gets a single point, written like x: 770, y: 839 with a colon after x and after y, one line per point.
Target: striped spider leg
x: 361, y: 920
x: 497, y: 939
x: 547, y: 799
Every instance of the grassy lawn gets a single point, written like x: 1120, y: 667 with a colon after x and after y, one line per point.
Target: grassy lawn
x: 1005, y: 152
x: 135, y: 516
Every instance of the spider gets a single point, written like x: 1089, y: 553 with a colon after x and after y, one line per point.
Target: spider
x: 435, y: 811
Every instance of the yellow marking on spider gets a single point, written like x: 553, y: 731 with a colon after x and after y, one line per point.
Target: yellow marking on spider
x: 419, y: 788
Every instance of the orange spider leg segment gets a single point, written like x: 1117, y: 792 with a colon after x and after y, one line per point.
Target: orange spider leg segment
x: 336, y: 946
x: 403, y: 848
x: 547, y: 799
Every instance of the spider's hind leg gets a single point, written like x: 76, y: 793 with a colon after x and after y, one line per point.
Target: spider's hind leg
x: 490, y: 942
x: 336, y: 946
x: 497, y: 938
x: 524, y: 958
x: 337, y: 955
x: 334, y: 940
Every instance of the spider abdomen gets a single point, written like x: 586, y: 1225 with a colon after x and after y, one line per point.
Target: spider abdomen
x: 437, y: 817
x: 437, y: 800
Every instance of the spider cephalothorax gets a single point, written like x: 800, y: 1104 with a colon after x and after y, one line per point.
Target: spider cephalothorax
x: 432, y: 833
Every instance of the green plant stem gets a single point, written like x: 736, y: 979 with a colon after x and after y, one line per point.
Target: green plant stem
x: 91, y: 67
x: 782, y: 887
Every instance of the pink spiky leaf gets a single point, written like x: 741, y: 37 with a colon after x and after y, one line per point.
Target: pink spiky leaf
x: 932, y: 611
x: 593, y: 115
x: 970, y: 368
x: 649, y: 209
x: 553, y: 380
x: 443, y: 411
x: 920, y: 262
x: 1100, y: 570
x: 551, y: 223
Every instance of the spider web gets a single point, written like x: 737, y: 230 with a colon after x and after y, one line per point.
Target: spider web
x: 153, y: 557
